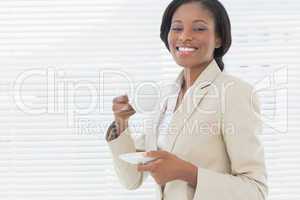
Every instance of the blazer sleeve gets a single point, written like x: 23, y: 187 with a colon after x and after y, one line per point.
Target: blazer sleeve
x: 248, y: 177
x: 127, y: 173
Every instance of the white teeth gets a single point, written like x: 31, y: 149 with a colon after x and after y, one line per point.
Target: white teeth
x: 186, y: 49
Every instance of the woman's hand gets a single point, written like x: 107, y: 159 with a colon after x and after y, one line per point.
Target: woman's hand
x: 168, y: 167
x: 122, y: 111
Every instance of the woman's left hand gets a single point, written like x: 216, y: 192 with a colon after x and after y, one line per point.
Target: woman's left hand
x: 167, y: 167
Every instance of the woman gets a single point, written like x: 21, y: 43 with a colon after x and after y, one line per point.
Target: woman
x: 210, y: 149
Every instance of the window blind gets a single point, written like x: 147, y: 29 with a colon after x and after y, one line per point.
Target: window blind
x: 63, y: 61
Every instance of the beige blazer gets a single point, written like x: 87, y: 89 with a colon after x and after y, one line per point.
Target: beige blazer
x: 215, y: 128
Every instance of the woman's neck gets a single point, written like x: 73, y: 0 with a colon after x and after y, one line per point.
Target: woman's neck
x: 190, y: 75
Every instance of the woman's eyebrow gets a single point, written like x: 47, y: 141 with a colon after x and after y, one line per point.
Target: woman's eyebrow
x: 177, y: 21
x: 200, y: 20
x: 195, y: 21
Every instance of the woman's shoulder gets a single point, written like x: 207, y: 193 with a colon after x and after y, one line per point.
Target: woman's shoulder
x: 234, y: 87
x: 225, y: 79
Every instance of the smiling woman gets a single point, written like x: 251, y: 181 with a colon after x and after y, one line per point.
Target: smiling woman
x: 192, y: 38
x: 197, y: 34
x: 210, y: 29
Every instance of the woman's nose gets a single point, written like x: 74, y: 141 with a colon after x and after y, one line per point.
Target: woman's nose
x: 185, y: 35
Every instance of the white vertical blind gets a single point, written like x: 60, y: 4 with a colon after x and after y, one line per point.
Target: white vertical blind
x: 61, y: 64
x: 63, y: 61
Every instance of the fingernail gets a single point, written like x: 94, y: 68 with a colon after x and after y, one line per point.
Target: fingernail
x: 125, y: 108
x: 145, y: 153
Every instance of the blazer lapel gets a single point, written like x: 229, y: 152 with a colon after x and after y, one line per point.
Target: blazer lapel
x: 190, y: 102
x: 152, y: 127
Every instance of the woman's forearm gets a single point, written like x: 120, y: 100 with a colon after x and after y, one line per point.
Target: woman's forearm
x: 121, y: 126
x: 189, y: 173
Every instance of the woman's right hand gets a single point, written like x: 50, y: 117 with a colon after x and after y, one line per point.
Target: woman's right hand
x: 122, y: 112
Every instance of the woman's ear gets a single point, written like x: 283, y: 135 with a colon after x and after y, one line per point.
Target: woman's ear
x: 218, y: 42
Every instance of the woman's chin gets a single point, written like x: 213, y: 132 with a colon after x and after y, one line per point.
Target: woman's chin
x: 186, y: 65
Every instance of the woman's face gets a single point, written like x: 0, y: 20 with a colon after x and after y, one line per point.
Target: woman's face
x: 192, y: 38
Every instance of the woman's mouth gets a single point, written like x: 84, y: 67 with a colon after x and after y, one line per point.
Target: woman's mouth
x: 185, y: 51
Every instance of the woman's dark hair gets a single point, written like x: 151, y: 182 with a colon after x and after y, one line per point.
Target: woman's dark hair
x: 221, y: 19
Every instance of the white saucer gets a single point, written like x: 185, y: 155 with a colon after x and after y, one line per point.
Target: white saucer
x: 136, y: 158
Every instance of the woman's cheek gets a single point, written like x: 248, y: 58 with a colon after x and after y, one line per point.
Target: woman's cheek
x: 171, y: 39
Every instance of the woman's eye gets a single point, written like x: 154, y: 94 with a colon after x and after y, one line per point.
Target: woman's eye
x: 176, y: 29
x: 199, y: 29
